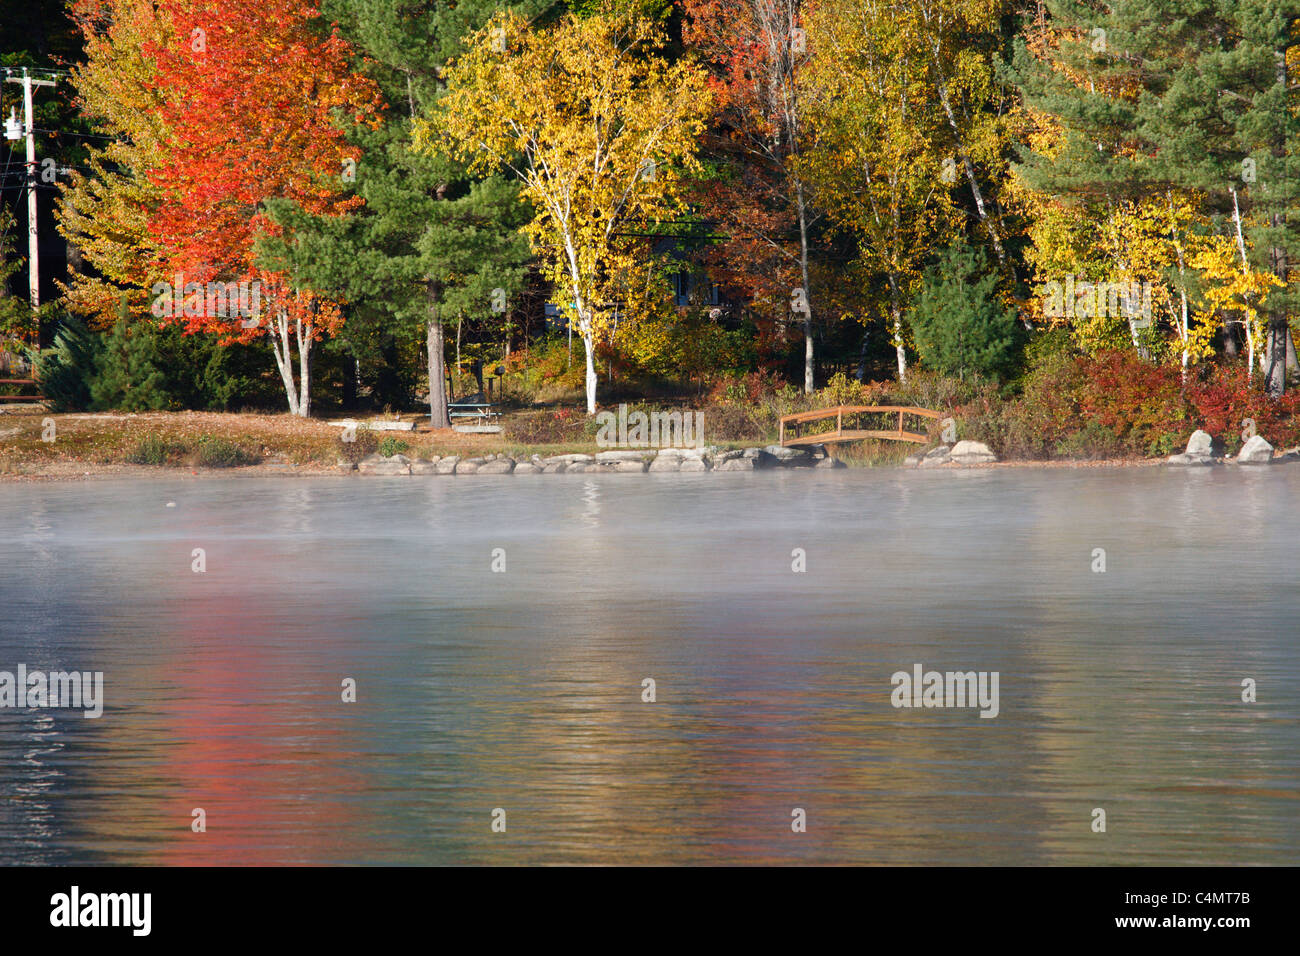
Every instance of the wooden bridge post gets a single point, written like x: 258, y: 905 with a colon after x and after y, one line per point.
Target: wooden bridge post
x: 839, y: 423
x: 782, y: 438
x: 900, y: 422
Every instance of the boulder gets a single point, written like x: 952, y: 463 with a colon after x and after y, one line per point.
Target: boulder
x: 497, y: 466
x: 567, y: 459
x: 423, y: 467
x: 829, y: 462
x: 1256, y: 451
x: 736, y: 464
x: 936, y: 456
x: 695, y: 464
x: 604, y: 456
x: 447, y: 465
x: 554, y: 468
x: 627, y: 465
x: 1201, y: 443
x: 972, y: 453
x: 666, y: 463
x: 784, y: 453
x: 727, y: 455
x: 527, y: 468
x: 378, y: 465
x: 681, y: 452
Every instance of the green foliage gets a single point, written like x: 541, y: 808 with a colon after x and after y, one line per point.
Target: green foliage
x: 205, y: 451
x: 127, y: 375
x: 67, y: 370
x: 157, y: 451
x: 389, y: 446
x: 960, y: 326
x: 210, y: 451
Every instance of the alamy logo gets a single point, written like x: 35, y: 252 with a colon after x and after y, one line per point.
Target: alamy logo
x: 80, y: 689
x: 73, y: 909
x: 947, y: 689
x: 650, y: 430
x: 211, y: 300
x: 1084, y: 300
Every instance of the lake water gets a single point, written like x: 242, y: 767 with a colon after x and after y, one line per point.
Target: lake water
x: 522, y: 689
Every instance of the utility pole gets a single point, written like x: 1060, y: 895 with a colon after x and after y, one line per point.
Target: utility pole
x: 29, y: 123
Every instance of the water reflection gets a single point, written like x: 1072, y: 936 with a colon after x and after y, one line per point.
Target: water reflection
x: 523, y: 689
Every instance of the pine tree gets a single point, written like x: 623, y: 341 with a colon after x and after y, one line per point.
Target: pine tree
x: 127, y: 376
x: 959, y: 325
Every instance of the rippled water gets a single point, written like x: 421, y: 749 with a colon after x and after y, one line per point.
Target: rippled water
x: 522, y: 690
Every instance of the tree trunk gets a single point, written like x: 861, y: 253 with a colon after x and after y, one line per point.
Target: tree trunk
x: 896, y: 312
x: 808, y: 363
x: 304, y: 334
x: 589, y: 345
x: 280, y: 346
x: 438, y: 416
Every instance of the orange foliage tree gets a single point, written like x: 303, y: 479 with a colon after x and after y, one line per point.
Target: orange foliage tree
x: 254, y: 94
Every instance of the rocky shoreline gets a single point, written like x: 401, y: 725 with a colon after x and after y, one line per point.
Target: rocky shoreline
x: 624, y: 461
x: 1204, y: 449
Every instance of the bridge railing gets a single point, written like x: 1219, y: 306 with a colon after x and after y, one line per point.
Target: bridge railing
x: 840, y: 434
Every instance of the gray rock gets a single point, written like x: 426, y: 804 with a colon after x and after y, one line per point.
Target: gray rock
x: 695, y: 464
x: 736, y: 464
x: 786, y: 453
x: 829, y: 462
x: 578, y: 467
x: 554, y: 468
x: 469, y: 466
x: 937, y: 456
x: 383, y: 467
x: 752, y: 453
x: 1201, y: 444
x: 379, y: 425
x: 912, y: 461
x: 727, y: 455
x: 667, y: 463
x: 604, y: 456
x: 1256, y: 451
x: 497, y: 466
x: 1188, y: 459
x: 447, y: 465
x: 527, y: 468
x: 681, y: 452
x: 424, y: 468
x: 972, y: 453
x: 628, y: 466
x: 567, y: 459
x: 346, y: 467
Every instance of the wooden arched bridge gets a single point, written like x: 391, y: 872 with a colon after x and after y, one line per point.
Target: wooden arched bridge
x: 791, y: 425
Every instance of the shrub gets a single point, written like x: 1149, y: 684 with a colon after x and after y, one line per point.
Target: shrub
x: 210, y: 451
x: 390, y: 446
x: 156, y: 450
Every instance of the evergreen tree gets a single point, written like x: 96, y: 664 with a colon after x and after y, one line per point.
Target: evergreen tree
x: 127, y: 376
x: 431, y: 242
x: 960, y: 326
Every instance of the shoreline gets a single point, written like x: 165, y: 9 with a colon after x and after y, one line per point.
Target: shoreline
x: 82, y: 471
